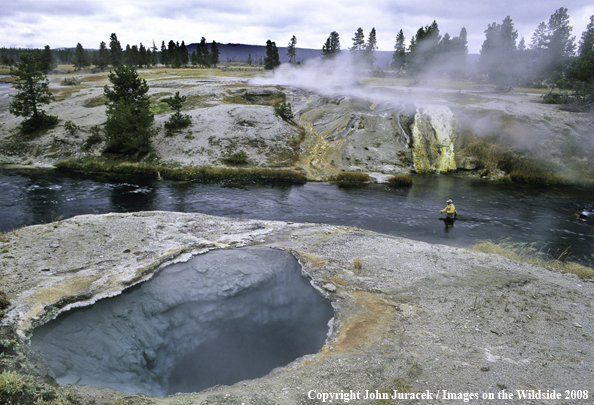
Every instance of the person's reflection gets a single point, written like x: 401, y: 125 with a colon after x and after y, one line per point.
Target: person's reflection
x: 448, y: 222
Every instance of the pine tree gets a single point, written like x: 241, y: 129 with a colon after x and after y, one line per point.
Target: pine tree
x: 332, y: 46
x: 164, y: 54
x: 32, y: 91
x: 498, y: 52
x: 129, y: 119
x: 204, y: 54
x: 539, y: 38
x: 177, y: 119
x: 115, y: 50
x: 154, y: 54
x: 128, y: 58
x: 399, y: 57
x: 358, y: 41
x: 272, y: 59
x: 81, y: 57
x: 183, y: 51
x: 214, y: 54
x: 358, y: 47
x: 102, y: 56
x: 142, y: 56
x: 47, y: 61
x: 583, y: 68
x: 370, y: 48
x: 560, y: 45
x: 424, y: 48
x: 291, y: 49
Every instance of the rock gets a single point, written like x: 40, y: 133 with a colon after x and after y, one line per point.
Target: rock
x: 468, y: 163
x: 329, y: 287
x: 411, y: 303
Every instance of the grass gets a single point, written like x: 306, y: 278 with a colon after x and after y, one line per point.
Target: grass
x: 95, y: 78
x: 199, y: 174
x: 22, y: 389
x: 400, y: 384
x: 350, y: 179
x: 400, y: 180
x: 236, y: 159
x: 96, y: 101
x: 519, y: 169
x: 527, y: 253
x: 64, y: 92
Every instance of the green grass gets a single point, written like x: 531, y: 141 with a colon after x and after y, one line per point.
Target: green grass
x: 22, y: 389
x: 199, y: 174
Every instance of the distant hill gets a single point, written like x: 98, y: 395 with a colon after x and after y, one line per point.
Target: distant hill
x: 240, y: 53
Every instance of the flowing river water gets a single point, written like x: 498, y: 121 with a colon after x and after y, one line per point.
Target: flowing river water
x: 545, y: 216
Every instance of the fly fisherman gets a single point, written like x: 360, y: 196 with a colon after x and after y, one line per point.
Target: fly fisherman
x: 450, y: 210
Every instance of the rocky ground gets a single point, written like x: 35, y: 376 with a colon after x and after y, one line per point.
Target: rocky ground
x: 384, y: 126
x: 409, y: 316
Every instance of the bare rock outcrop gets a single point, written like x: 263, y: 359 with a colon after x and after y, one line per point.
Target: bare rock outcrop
x: 409, y: 316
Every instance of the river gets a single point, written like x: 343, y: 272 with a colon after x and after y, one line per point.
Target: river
x: 541, y: 215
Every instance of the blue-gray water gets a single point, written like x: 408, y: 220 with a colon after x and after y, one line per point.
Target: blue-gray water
x: 219, y: 318
x: 544, y: 215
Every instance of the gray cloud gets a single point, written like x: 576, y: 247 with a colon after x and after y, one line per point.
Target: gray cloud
x: 64, y: 23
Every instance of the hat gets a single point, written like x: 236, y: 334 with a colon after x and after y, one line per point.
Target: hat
x: 449, y: 200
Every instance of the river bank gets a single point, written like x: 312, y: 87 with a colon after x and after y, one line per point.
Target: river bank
x: 384, y: 126
x: 416, y: 317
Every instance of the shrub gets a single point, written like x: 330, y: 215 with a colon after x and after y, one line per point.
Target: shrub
x: 71, y: 127
x: 284, y: 110
x: 400, y: 180
x: 93, y: 139
x: 351, y: 179
x: 177, y: 120
x: 70, y: 81
x: 38, y: 122
x: 4, y: 303
x: 22, y: 389
x: 556, y: 98
x: 237, y: 158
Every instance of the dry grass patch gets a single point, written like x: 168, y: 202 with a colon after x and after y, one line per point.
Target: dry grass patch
x: 95, y: 78
x: 400, y: 180
x: 351, y: 179
x: 65, y: 92
x: 528, y: 253
x: 96, y: 101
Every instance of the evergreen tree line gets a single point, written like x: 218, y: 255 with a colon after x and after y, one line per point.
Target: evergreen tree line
x: 427, y: 50
x: 173, y: 55
x: 552, y: 57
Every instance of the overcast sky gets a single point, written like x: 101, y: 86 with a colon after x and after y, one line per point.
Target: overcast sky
x: 64, y: 23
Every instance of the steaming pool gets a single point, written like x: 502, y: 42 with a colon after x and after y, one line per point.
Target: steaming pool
x: 220, y: 318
